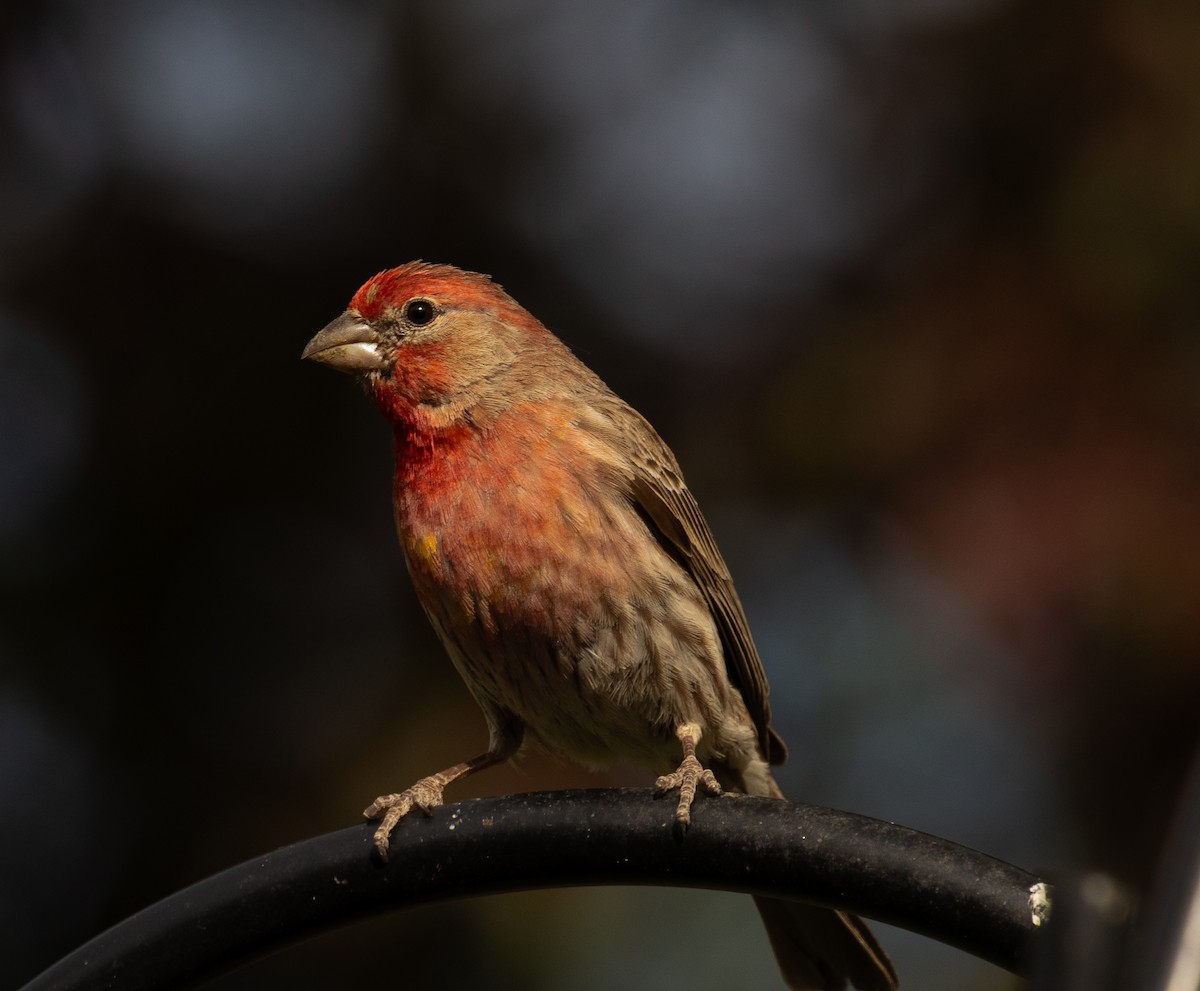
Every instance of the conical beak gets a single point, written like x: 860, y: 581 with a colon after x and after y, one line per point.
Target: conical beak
x: 348, y: 344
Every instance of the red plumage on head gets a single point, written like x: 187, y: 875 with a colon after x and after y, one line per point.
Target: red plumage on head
x: 441, y: 283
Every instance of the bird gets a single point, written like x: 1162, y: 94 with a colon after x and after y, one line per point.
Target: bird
x: 568, y: 571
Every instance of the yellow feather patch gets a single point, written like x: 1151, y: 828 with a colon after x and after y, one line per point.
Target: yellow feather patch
x: 424, y: 547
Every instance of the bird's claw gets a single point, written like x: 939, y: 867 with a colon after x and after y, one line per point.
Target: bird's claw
x: 425, y: 795
x: 690, y: 775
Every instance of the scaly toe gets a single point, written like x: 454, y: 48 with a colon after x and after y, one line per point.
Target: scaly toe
x: 690, y: 775
x: 385, y: 803
x: 425, y: 795
x: 668, y: 781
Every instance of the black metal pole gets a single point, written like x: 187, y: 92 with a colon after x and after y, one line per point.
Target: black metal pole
x: 564, y: 838
x: 1166, y: 953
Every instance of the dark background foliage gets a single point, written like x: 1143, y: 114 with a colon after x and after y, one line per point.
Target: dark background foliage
x: 911, y: 288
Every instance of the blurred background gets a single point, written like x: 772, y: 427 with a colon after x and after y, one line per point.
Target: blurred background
x: 911, y: 287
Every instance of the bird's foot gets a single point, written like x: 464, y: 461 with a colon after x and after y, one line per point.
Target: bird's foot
x: 690, y: 775
x: 425, y: 795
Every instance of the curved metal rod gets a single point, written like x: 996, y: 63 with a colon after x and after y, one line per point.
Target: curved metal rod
x: 563, y: 838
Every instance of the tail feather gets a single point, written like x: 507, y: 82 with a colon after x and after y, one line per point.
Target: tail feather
x: 820, y: 949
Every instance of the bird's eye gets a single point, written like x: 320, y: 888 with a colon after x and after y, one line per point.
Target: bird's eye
x: 419, y: 312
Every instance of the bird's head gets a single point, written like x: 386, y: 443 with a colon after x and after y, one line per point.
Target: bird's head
x: 430, y: 341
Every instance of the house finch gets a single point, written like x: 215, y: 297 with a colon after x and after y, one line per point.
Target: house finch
x: 567, y: 569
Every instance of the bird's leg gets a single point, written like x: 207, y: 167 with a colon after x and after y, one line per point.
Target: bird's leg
x: 690, y: 774
x: 426, y: 794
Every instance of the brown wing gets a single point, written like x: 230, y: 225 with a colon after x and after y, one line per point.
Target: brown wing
x: 658, y: 489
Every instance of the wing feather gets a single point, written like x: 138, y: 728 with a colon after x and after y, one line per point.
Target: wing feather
x: 656, y: 487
